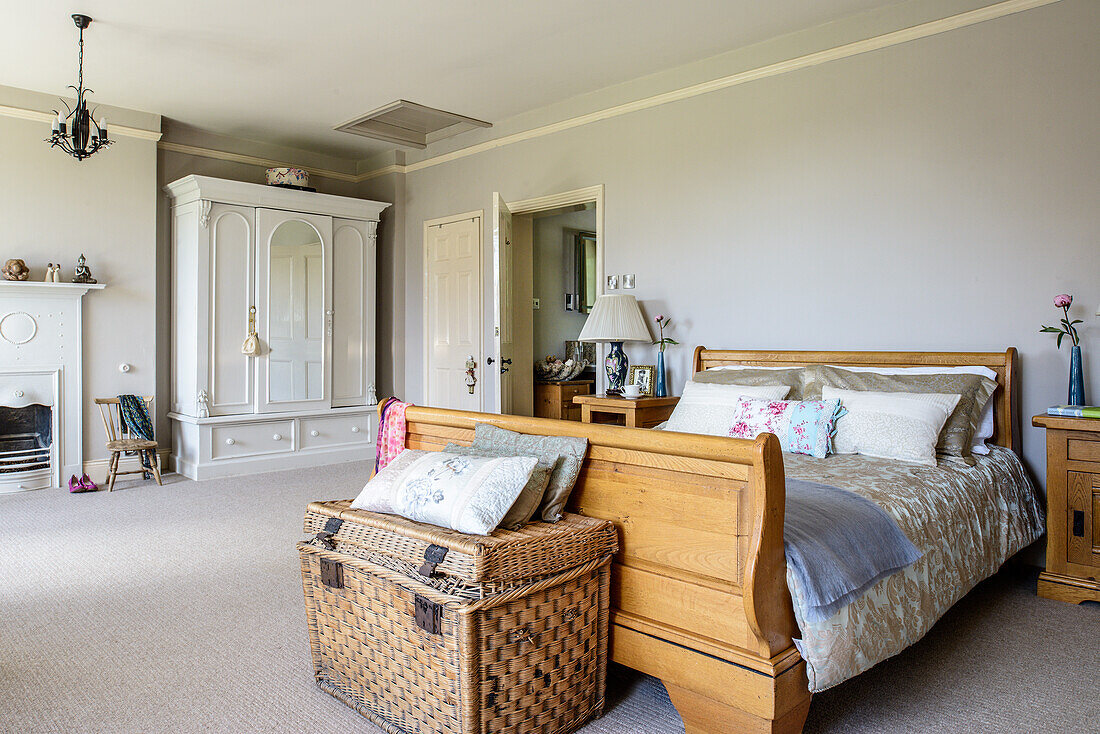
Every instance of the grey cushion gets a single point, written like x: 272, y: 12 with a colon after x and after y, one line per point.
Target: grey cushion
x: 567, y: 451
x: 527, y: 504
x: 755, y: 377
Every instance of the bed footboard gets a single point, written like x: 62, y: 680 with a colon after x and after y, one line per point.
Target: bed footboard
x: 699, y: 592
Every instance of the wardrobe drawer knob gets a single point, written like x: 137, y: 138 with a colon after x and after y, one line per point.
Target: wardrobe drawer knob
x: 18, y: 393
x: 315, y: 433
x: 277, y: 437
x: 229, y: 442
x: 355, y: 429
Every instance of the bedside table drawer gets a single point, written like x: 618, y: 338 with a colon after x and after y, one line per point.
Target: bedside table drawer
x: 1083, y: 450
x: 1082, y: 504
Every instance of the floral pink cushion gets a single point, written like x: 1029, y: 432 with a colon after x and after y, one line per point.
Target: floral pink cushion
x: 803, y: 426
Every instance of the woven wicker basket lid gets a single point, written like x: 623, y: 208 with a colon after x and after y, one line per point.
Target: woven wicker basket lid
x: 536, y: 549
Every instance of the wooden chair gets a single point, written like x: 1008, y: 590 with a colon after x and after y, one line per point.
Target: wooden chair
x: 119, y: 441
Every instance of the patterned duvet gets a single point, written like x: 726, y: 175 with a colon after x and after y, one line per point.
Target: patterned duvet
x: 966, y: 520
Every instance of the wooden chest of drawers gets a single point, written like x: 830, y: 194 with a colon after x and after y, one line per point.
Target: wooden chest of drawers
x: 555, y: 399
x: 1073, y: 509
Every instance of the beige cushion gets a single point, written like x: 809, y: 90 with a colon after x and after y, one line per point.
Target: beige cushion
x: 754, y: 376
x: 470, y: 494
x: 890, y: 425
x: 527, y: 504
x: 974, y: 391
x: 710, y: 408
x: 567, y: 452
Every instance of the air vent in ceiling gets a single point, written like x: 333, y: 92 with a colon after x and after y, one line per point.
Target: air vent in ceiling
x: 408, y: 123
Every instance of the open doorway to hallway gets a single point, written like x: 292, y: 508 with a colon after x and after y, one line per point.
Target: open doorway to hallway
x: 549, y: 272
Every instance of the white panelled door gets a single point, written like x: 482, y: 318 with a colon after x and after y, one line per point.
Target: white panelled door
x: 452, y: 308
x: 353, y: 262
x: 502, y: 269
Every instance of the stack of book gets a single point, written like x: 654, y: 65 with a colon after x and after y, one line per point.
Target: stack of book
x: 1075, y: 411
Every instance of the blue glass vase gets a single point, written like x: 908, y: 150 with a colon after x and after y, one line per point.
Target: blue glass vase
x: 1076, y: 378
x: 659, y: 390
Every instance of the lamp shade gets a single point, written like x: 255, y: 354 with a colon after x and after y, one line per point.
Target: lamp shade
x: 615, y: 318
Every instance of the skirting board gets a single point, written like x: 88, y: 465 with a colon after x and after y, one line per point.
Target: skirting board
x: 276, y: 462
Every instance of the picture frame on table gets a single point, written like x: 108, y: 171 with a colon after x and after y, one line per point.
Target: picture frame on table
x: 644, y: 376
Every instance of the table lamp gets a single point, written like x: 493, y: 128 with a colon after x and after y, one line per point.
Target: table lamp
x: 615, y: 319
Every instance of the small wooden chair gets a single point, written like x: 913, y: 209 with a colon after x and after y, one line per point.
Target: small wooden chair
x: 119, y: 441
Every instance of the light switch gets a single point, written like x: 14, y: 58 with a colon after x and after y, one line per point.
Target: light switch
x: 612, y: 282
x: 628, y: 281
x: 535, y: 303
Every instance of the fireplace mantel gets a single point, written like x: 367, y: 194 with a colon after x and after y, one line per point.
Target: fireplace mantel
x: 41, y: 361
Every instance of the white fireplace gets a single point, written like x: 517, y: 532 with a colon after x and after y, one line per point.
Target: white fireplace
x: 41, y: 401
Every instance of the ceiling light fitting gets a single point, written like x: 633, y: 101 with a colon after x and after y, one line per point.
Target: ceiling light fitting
x: 77, y: 133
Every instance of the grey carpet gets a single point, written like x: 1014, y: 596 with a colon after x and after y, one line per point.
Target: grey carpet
x: 179, y: 609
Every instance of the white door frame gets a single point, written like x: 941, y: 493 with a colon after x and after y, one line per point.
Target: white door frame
x: 479, y: 215
x: 556, y: 201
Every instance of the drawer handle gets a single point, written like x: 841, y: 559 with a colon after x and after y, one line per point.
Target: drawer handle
x: 277, y: 437
x: 355, y: 429
x: 18, y: 393
x: 315, y: 433
x: 229, y: 442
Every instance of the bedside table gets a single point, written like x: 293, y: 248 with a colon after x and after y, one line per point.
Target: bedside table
x: 629, y: 412
x: 555, y: 399
x: 1073, y: 509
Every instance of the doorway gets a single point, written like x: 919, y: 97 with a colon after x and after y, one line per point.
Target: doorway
x: 548, y: 271
x: 452, y: 312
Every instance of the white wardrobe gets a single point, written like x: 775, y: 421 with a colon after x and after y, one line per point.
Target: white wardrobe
x: 297, y: 270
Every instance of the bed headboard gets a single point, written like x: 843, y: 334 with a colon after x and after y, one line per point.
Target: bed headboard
x: 1005, y: 413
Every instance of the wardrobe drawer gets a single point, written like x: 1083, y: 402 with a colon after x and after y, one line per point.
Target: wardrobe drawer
x: 337, y: 430
x: 251, y: 439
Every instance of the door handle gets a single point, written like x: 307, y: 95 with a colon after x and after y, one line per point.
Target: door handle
x: 503, y: 362
x: 489, y: 361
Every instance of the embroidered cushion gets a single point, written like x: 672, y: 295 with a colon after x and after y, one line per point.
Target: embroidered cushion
x: 803, y: 426
x: 891, y: 425
x: 566, y: 451
x: 470, y: 494
x: 709, y: 408
x: 957, y: 434
x: 527, y: 504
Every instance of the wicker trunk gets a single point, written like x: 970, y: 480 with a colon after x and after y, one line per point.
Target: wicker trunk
x: 426, y: 630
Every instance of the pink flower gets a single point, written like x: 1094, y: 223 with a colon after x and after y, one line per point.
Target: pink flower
x: 1063, y: 301
x: 659, y: 319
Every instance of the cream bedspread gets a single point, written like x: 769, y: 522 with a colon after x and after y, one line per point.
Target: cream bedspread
x: 966, y: 520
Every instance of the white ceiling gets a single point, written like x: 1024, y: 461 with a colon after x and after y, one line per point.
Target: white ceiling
x: 286, y: 71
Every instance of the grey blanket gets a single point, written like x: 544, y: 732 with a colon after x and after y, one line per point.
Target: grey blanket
x: 838, y: 545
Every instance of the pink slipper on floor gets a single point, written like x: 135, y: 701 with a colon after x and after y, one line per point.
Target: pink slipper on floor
x: 76, y: 485
x: 87, y: 483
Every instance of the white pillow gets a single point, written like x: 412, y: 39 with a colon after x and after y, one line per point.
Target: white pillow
x: 710, y: 408
x: 891, y: 425
x: 470, y: 494
x: 985, y: 424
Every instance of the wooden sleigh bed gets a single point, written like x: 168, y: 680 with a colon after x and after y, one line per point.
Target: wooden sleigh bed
x: 699, y: 589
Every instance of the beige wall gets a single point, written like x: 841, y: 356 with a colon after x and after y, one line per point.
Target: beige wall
x: 54, y: 208
x: 932, y: 195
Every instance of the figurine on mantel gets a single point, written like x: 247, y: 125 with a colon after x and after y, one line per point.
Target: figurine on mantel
x: 83, y: 272
x: 16, y: 269
x: 53, y: 273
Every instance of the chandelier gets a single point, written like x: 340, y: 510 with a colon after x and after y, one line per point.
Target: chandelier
x: 77, y: 133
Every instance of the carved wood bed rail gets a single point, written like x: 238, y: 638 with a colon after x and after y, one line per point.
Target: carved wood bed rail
x: 699, y: 590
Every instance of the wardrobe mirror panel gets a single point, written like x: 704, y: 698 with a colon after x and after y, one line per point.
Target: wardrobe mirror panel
x: 296, y: 313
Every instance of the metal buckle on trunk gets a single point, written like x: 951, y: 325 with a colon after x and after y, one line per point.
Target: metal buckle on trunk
x: 332, y: 574
x: 332, y: 526
x: 429, y: 615
x: 433, y: 556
